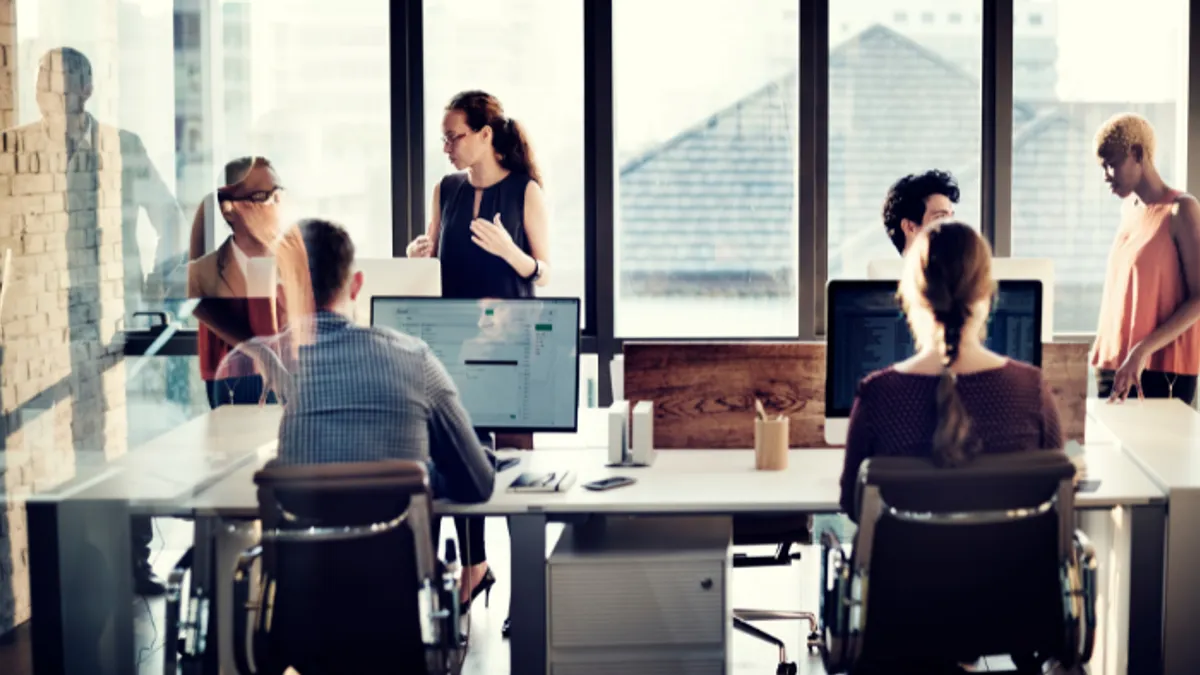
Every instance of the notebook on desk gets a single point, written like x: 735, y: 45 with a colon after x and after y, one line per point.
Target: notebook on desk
x: 543, y: 481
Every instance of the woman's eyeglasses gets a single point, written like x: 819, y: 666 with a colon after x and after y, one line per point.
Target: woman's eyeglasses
x: 451, y: 139
x: 259, y: 197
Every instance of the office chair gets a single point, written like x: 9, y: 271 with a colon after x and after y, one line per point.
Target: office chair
x: 348, y: 578
x: 782, y: 532
x: 950, y: 565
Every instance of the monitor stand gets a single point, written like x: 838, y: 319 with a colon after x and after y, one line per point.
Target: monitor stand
x: 486, y: 438
x: 494, y: 441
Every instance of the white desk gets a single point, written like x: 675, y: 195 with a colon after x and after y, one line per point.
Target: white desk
x: 1163, y: 438
x: 723, y: 482
x: 79, y: 532
x: 683, y: 482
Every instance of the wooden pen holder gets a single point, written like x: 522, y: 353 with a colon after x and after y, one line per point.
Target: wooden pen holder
x: 771, y: 444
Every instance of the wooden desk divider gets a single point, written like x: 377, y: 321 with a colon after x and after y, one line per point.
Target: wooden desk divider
x: 703, y: 392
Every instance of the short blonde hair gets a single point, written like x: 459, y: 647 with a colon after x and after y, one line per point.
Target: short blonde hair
x: 1121, y: 132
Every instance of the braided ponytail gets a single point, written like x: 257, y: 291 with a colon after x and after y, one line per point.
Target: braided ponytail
x: 948, y: 273
x: 953, y: 443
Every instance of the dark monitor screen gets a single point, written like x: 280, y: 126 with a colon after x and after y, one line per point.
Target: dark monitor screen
x: 515, y: 362
x: 867, y: 331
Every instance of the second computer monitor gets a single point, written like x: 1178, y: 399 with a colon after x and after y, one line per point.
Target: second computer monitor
x: 515, y: 362
x: 396, y: 277
x: 867, y: 331
x: 1032, y: 269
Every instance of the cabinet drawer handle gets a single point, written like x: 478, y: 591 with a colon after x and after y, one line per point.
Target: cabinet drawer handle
x: 706, y: 584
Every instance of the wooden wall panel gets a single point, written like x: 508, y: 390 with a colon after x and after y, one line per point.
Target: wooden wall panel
x: 704, y: 392
x: 1065, y: 366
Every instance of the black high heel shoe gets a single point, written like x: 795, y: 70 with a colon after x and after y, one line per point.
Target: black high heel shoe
x: 484, y: 586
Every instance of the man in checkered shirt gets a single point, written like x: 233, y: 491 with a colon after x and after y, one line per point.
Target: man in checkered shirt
x: 367, y: 394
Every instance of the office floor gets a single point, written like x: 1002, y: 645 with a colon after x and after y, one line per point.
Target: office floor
x: 761, y: 588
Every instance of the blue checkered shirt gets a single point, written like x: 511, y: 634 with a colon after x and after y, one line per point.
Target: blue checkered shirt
x: 368, y: 394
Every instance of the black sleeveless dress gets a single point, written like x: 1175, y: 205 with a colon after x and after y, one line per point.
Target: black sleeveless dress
x: 468, y: 271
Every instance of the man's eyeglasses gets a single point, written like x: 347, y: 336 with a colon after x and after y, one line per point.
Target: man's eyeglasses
x: 259, y: 197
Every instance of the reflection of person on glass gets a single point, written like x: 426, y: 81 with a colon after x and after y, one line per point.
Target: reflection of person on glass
x: 247, y: 202
x: 97, y: 154
x: 489, y: 227
x: 1148, y: 337
x: 64, y: 85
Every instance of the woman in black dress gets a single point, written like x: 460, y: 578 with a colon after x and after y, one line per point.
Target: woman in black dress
x: 489, y: 228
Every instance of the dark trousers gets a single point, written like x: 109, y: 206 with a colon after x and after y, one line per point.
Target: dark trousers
x: 471, y: 549
x: 1155, y: 384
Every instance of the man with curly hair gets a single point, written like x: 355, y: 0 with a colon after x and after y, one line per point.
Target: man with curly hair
x: 917, y: 200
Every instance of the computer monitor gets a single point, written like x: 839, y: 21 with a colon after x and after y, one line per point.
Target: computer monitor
x: 395, y: 277
x: 867, y: 331
x: 515, y: 362
x: 1039, y: 269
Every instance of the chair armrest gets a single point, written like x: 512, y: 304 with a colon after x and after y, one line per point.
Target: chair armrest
x: 829, y: 540
x: 834, y: 610
x: 171, y: 620
x: 243, y: 609
x: 1085, y: 554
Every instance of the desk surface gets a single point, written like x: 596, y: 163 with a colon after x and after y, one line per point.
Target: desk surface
x: 685, y: 482
x: 178, y: 464
x: 1162, y: 436
x: 207, y: 466
x: 690, y: 482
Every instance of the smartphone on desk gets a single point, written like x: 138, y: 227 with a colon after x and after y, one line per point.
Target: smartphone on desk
x: 609, y: 483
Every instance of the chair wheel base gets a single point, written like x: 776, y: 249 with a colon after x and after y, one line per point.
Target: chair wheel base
x: 814, y: 642
x: 786, y: 669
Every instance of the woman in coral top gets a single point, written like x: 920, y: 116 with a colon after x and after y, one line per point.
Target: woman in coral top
x: 1147, y: 338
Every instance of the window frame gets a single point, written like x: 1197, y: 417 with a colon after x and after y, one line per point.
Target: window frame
x: 408, y: 143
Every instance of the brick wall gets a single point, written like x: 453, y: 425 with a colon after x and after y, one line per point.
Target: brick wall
x: 62, y: 382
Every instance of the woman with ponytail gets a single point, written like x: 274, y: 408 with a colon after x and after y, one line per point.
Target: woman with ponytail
x: 955, y: 398
x: 489, y: 227
x: 488, y: 223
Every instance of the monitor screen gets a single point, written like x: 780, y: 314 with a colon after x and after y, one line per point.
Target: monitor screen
x: 866, y: 331
x: 515, y: 362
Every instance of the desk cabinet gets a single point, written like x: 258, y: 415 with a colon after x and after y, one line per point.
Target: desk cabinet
x: 640, y: 596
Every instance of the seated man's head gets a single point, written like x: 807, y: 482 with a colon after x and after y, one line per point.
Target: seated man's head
x: 335, y: 282
x: 917, y: 200
x: 1125, y: 150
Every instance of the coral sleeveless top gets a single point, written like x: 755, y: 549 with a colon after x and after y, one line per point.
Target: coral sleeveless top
x: 1143, y: 287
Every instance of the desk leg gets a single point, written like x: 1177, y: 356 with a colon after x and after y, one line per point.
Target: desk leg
x: 81, y: 587
x: 1146, y: 588
x: 203, y: 585
x: 527, y: 643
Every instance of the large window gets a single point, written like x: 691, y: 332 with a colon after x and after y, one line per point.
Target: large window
x: 178, y: 88
x: 1069, y: 76
x: 529, y: 55
x: 191, y: 85
x: 706, y: 234
x: 904, y: 97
